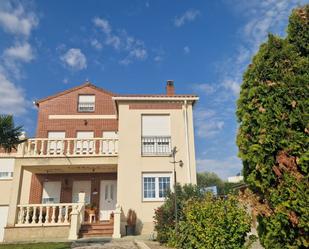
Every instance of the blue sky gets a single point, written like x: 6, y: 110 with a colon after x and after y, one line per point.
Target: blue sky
x: 134, y: 47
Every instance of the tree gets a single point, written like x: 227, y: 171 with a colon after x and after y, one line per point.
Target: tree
x: 9, y: 134
x: 273, y: 143
x: 207, y: 179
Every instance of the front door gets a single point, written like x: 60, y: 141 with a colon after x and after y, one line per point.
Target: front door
x: 108, y: 198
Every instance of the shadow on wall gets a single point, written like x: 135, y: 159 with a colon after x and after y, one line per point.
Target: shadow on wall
x: 130, y: 224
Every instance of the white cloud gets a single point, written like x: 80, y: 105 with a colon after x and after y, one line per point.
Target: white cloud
x: 188, y: 16
x: 65, y: 81
x: 158, y: 58
x: 17, y: 20
x: 122, y: 42
x: 103, y: 24
x: 204, y: 88
x: 208, y: 123
x: 232, y: 85
x: 139, y: 53
x: 263, y: 16
x: 21, y: 52
x: 75, y: 59
x: 114, y: 41
x: 223, y: 167
x: 12, y: 98
x: 96, y: 44
x: 186, y: 50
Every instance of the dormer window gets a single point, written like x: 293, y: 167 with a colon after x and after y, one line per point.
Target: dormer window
x: 86, y: 103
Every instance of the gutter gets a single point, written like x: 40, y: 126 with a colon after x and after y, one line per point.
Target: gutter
x: 187, y: 140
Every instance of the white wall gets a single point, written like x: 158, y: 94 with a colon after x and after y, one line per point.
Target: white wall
x: 3, y: 218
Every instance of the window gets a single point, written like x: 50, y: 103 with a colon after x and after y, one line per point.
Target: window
x: 6, y: 168
x: 86, y: 103
x: 155, y: 186
x: 81, y: 187
x: 51, y: 192
x: 156, y: 135
x: 6, y: 175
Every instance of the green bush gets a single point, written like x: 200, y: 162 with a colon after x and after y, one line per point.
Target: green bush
x: 164, y: 218
x: 273, y: 109
x: 213, y: 223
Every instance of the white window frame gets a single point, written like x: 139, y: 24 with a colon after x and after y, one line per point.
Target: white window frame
x: 156, y: 140
x: 46, y: 198
x: 90, y: 103
x: 6, y: 168
x: 156, y: 176
x: 6, y: 175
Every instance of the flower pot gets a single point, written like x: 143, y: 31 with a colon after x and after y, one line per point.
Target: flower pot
x: 130, y: 230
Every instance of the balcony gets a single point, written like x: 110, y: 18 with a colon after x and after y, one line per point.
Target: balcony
x: 44, y: 147
x: 156, y: 146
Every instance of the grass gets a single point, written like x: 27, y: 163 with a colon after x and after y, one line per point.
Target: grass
x: 37, y: 246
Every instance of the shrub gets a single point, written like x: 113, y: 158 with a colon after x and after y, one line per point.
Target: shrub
x: 164, y: 218
x: 213, y: 223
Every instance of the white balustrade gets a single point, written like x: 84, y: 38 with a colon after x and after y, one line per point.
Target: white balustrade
x: 44, y: 147
x: 44, y: 214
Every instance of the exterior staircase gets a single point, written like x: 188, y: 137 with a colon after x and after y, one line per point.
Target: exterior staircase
x: 102, y: 229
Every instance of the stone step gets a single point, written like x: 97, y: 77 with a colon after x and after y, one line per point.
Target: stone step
x: 96, y: 230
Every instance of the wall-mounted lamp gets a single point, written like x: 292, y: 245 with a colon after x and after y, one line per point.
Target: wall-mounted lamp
x: 85, y: 122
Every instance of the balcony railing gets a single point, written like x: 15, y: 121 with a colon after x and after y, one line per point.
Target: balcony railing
x: 157, y: 146
x: 44, y: 214
x: 86, y: 106
x: 44, y: 147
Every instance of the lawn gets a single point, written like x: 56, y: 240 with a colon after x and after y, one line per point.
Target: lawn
x: 36, y: 246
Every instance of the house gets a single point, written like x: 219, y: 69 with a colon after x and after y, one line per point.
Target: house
x: 235, y: 179
x: 100, y: 150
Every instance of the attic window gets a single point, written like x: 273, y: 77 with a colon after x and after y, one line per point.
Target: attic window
x: 86, y: 103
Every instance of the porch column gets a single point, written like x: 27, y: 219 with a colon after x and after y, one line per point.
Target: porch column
x: 15, y: 193
x: 117, y: 222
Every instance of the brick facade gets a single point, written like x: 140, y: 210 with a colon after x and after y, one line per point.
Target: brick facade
x: 67, y: 185
x: 66, y: 104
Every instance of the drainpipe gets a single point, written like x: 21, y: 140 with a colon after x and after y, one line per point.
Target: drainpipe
x: 187, y: 140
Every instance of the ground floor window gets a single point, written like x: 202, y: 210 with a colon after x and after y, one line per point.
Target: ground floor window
x: 155, y: 186
x: 6, y: 175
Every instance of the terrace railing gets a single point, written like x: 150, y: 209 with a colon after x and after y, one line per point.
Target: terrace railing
x: 44, y: 147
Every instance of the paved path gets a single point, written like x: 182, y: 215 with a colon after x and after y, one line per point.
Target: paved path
x: 104, y: 244
x: 155, y: 245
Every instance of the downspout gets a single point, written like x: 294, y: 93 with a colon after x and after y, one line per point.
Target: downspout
x: 187, y: 141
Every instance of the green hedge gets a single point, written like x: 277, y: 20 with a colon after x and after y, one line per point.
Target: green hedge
x: 213, y: 223
x: 204, y: 221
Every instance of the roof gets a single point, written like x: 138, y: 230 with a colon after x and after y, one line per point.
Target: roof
x: 118, y: 97
x: 86, y: 84
x: 156, y: 96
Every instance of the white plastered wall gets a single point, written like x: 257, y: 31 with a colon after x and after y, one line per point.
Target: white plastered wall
x: 131, y: 164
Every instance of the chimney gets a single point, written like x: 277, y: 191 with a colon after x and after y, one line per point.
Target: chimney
x: 170, y: 89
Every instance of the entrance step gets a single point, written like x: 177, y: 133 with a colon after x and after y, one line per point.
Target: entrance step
x: 96, y: 230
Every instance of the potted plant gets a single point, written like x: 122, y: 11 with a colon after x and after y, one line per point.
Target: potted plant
x: 91, y: 210
x: 131, y: 222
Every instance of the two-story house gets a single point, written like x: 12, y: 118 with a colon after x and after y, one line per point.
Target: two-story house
x: 96, y: 150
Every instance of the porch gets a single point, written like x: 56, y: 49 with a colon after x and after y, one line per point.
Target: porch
x: 69, y: 198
